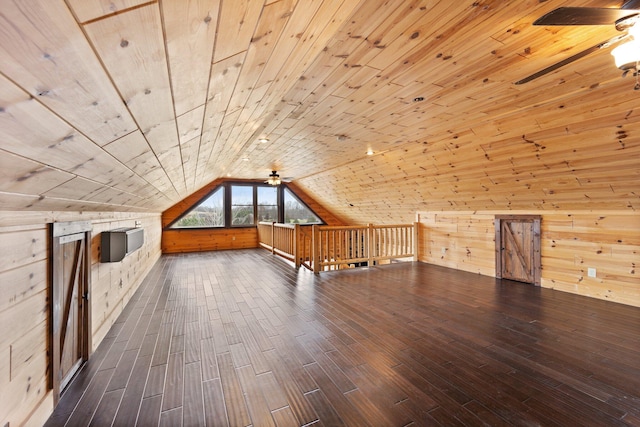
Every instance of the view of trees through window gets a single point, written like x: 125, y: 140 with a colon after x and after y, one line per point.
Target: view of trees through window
x: 242, y: 205
x: 209, y: 213
x: 297, y: 213
x: 248, y: 204
x: 268, y: 203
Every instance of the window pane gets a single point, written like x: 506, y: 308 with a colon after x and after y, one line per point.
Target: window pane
x: 209, y: 213
x: 296, y: 212
x: 268, y: 203
x: 242, y: 205
x: 242, y: 195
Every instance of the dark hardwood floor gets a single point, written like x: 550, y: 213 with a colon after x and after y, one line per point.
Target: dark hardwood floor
x: 241, y: 338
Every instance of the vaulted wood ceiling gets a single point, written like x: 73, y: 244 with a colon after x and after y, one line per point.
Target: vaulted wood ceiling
x: 131, y: 105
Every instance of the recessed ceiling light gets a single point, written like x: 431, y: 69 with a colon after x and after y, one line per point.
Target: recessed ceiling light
x: 369, y: 152
x: 418, y: 99
x: 245, y: 159
x: 341, y: 137
x: 263, y: 140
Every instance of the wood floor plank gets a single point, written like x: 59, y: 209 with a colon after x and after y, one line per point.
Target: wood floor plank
x: 254, y: 352
x: 155, y: 381
x: 76, y: 388
x: 334, y: 372
x: 338, y: 401
x: 128, y: 414
x: 193, y: 414
x: 294, y: 392
x: 283, y: 360
x: 284, y: 417
x: 235, y: 403
x: 240, y: 337
x: 106, y: 411
x: 90, y: 400
x: 258, y: 409
x: 325, y: 410
x: 150, y: 411
x: 161, y: 353
x: 148, y: 345
x: 273, y: 391
x: 214, y: 405
x: 192, y: 342
x: 383, y: 394
x: 113, y: 356
x: 208, y: 360
x: 174, y: 384
x: 122, y: 372
x: 171, y: 418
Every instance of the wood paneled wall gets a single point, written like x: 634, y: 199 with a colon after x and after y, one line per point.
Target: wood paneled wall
x: 572, y: 242
x: 24, y: 307
x: 209, y: 239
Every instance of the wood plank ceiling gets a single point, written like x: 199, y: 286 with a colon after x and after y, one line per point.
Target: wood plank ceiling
x: 131, y: 105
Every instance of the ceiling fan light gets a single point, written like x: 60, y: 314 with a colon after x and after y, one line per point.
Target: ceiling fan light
x: 274, y: 179
x: 627, y: 55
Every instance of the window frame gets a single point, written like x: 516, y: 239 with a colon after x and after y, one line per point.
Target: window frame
x: 228, y: 208
x: 282, y: 206
x: 170, y: 226
x: 279, y: 202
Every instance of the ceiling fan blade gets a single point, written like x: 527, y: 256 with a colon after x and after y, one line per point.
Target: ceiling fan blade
x: 563, y: 62
x: 582, y: 54
x: 585, y: 15
x: 631, y: 4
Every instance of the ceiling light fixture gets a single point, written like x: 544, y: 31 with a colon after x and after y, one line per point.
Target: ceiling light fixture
x: 627, y: 55
x: 274, y: 178
x: 263, y: 140
x: 369, y: 152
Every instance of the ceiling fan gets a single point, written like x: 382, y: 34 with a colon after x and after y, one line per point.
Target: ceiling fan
x: 626, y: 19
x: 274, y: 179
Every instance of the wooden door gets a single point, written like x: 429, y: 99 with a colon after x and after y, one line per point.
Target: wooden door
x: 518, y: 248
x: 70, y: 321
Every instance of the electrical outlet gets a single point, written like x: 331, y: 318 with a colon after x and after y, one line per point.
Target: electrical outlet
x: 591, y: 272
x: 233, y: 237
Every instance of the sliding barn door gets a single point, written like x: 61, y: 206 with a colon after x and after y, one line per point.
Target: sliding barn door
x: 70, y: 314
x: 518, y: 248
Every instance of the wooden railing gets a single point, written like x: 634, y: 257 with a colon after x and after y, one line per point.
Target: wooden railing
x: 322, y: 248
x: 280, y: 239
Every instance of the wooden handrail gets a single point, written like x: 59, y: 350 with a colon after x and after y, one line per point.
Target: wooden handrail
x: 335, y: 247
